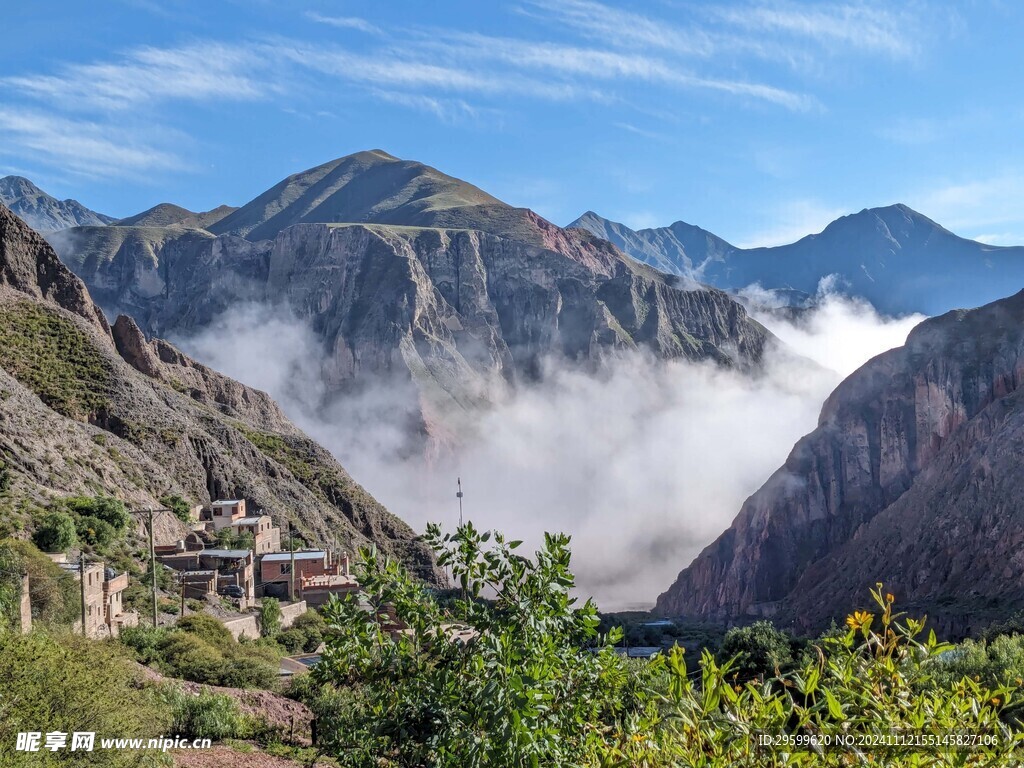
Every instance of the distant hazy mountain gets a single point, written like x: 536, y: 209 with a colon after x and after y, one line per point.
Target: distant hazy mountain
x: 405, y: 271
x: 168, y: 215
x: 895, y: 257
x: 43, y: 212
x: 912, y: 478
x: 679, y: 249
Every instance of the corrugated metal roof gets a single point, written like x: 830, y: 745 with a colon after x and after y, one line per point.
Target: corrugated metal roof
x: 227, y: 554
x: 285, y: 556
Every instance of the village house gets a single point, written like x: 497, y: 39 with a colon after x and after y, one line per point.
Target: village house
x: 224, y: 512
x: 219, y: 571
x: 317, y: 576
x: 104, y: 610
x: 266, y: 537
x: 234, y: 569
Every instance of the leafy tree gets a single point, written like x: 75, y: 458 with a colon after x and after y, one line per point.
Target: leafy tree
x: 6, y: 479
x: 55, y: 532
x: 53, y: 592
x: 227, y: 539
x: 270, y: 616
x: 759, y: 649
x: 528, y: 683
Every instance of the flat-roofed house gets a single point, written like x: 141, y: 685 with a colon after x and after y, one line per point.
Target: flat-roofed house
x: 224, y: 512
x: 104, y: 608
x: 276, y: 573
x: 234, y: 568
x: 266, y: 537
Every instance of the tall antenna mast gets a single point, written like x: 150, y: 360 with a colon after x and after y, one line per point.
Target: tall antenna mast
x: 459, y: 497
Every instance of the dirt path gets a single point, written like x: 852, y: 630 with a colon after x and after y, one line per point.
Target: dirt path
x: 226, y: 757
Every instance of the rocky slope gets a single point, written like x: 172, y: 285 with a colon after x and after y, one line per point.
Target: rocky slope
x: 44, y: 212
x: 86, y: 408
x: 913, y: 478
x: 895, y: 257
x: 404, y: 272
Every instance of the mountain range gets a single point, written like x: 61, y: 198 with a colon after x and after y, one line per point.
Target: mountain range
x: 88, y: 407
x: 413, y: 276
x: 898, y: 259
x: 43, y: 212
x: 912, y: 478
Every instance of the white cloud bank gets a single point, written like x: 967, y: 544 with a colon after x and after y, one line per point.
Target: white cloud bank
x: 644, y: 464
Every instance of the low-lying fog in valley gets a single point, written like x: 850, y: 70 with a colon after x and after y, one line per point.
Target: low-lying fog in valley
x: 644, y: 464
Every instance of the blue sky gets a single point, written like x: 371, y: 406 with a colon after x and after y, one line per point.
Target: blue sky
x: 759, y: 120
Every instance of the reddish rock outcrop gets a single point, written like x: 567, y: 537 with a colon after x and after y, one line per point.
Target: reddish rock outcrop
x: 915, y: 461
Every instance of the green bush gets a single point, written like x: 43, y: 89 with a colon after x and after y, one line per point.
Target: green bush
x: 95, y: 532
x: 177, y: 505
x: 6, y: 479
x: 144, y: 641
x: 55, y: 532
x: 250, y: 670
x: 190, y: 657
x: 199, y: 648
x: 312, y: 626
x: 207, y: 715
x: 292, y: 640
x: 209, y: 629
x: 874, y: 679
x: 995, y: 663
x: 107, y: 509
x: 62, y: 682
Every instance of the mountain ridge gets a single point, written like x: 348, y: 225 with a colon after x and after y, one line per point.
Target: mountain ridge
x: 897, y: 258
x: 444, y: 286
x: 42, y: 211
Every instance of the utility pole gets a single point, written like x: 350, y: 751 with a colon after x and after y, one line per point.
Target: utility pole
x: 182, y: 579
x: 152, y: 561
x: 81, y: 579
x: 291, y: 570
x: 459, y: 497
x: 148, y: 511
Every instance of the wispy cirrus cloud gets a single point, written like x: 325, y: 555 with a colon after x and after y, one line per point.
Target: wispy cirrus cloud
x: 864, y: 27
x: 201, y: 71
x: 344, y: 22
x: 81, y: 147
x: 623, y: 28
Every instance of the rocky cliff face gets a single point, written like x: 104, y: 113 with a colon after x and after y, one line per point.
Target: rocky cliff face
x: 455, y: 309
x: 431, y: 280
x: 85, y: 408
x: 912, y: 478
